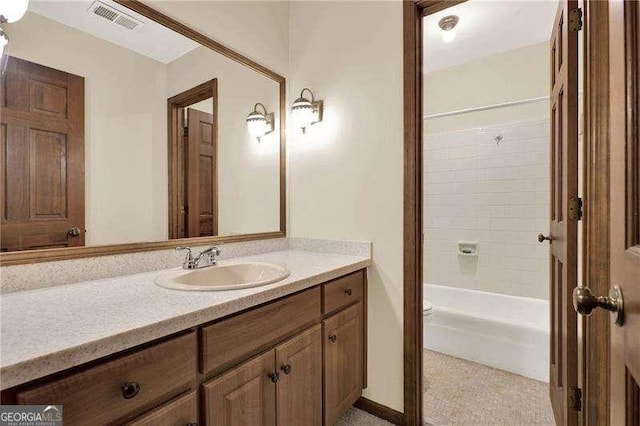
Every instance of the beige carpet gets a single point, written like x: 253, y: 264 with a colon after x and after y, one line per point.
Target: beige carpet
x: 357, y: 417
x: 460, y: 392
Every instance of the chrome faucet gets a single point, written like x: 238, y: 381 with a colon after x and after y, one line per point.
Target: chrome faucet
x: 193, y: 262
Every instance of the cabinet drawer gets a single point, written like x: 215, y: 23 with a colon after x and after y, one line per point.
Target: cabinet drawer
x: 342, y: 291
x: 96, y: 395
x: 230, y: 341
x: 181, y: 411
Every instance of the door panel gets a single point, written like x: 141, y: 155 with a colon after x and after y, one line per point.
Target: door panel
x: 624, y: 24
x: 299, y: 363
x: 564, y: 226
x: 343, y: 361
x: 244, y: 395
x: 42, y: 160
x: 201, y: 175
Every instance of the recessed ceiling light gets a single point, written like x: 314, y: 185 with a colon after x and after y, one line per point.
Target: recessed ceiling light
x: 448, y: 25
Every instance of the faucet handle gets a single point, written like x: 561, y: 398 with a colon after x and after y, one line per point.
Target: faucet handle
x: 215, y: 250
x: 189, y: 256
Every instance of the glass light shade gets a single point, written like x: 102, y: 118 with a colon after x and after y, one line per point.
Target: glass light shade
x: 449, y: 36
x: 13, y: 10
x: 302, y: 113
x: 257, y: 125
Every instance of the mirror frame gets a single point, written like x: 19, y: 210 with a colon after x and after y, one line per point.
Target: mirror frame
x: 45, y: 255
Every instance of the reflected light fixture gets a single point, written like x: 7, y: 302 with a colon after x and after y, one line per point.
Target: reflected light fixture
x: 305, y: 112
x: 448, y: 25
x: 12, y: 10
x: 4, y: 39
x: 259, y: 123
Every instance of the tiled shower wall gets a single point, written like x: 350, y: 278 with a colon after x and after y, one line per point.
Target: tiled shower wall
x: 489, y: 185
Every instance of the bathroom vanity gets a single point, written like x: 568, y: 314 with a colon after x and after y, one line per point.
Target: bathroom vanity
x: 294, y: 359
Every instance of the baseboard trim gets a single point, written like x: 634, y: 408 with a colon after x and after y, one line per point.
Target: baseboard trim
x: 379, y: 410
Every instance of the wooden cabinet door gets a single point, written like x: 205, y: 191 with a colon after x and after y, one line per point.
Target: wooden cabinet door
x: 41, y: 157
x: 181, y: 411
x: 201, y: 174
x: 564, y: 220
x: 343, y: 361
x: 245, y: 395
x: 624, y: 39
x: 299, y: 365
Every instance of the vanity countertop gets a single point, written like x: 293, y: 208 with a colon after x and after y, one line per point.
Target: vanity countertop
x: 52, y: 329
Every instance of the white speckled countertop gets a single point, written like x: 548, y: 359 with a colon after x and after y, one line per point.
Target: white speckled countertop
x: 48, y: 330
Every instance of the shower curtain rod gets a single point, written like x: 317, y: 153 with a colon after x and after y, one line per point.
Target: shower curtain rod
x: 485, y: 107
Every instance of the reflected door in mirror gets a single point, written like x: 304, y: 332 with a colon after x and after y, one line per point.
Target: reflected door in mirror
x: 200, y: 174
x: 42, y: 157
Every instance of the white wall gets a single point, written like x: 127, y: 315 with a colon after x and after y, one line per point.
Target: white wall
x: 509, y: 76
x: 125, y: 127
x: 479, y: 190
x: 346, y: 173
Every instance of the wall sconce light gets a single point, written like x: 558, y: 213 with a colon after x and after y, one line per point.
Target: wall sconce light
x: 12, y: 10
x: 4, y: 40
x: 259, y: 123
x: 305, y: 112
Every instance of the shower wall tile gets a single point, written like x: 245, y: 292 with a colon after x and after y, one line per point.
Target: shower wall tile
x: 493, y: 193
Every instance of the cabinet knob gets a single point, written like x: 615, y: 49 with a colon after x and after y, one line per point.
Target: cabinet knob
x: 347, y: 291
x: 286, y: 368
x: 333, y: 338
x: 130, y: 390
x: 274, y: 376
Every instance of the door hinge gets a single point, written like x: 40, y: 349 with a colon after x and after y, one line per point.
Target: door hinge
x: 575, y: 399
x: 575, y: 19
x: 185, y: 131
x: 575, y: 208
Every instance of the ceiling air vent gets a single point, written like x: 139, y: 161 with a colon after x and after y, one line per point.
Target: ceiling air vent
x: 114, y: 15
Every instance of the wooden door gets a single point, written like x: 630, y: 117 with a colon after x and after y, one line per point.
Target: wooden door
x: 245, y: 395
x: 299, y: 364
x: 343, y: 361
x: 624, y: 24
x: 41, y: 157
x: 564, y: 210
x: 201, y: 175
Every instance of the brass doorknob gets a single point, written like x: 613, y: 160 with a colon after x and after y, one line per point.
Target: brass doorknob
x: 584, y: 302
x: 74, y: 232
x: 542, y: 238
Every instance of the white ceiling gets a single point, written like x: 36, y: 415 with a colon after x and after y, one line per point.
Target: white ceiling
x: 151, y: 39
x: 486, y: 28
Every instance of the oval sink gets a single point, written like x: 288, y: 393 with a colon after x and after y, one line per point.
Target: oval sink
x: 224, y: 277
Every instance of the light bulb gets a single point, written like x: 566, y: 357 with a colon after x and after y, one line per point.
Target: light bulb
x: 13, y: 10
x: 257, y: 126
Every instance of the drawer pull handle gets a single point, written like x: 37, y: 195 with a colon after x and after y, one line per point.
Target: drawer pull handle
x: 286, y: 369
x: 130, y: 390
x: 192, y: 424
x: 333, y: 338
x: 274, y: 377
x: 347, y: 291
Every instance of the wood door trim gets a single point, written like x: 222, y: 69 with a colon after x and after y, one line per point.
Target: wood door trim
x: 413, y: 12
x: 46, y: 255
x: 175, y: 103
x: 596, y: 238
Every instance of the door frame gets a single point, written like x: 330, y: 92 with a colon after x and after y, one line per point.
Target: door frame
x: 595, y: 260
x: 175, y: 122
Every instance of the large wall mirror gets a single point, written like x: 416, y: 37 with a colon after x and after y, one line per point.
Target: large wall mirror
x: 120, y: 126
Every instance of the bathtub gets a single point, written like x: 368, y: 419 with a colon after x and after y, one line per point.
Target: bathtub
x: 506, y: 332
